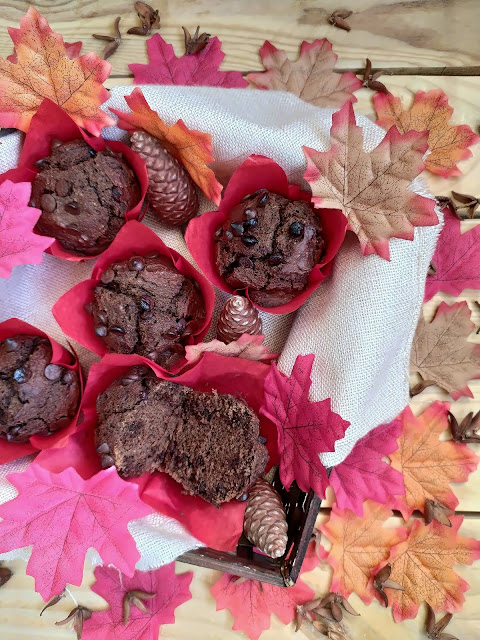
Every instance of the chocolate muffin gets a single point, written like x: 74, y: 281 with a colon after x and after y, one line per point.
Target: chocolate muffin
x: 208, y: 442
x: 269, y: 244
x: 83, y: 195
x: 36, y: 397
x: 144, y: 305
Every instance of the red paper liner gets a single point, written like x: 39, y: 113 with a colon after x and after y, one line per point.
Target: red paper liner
x: 132, y: 239
x: 260, y: 172
x: 10, y: 450
x: 51, y: 122
x: 218, y: 528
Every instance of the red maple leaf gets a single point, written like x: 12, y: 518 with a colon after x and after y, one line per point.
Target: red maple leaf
x: 304, y: 428
x: 198, y: 69
x: 19, y: 244
x: 456, y: 259
x: 251, y: 603
x: 170, y: 592
x: 62, y: 515
x: 363, y: 474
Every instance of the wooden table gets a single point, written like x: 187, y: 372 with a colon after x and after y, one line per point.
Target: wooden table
x: 423, y: 44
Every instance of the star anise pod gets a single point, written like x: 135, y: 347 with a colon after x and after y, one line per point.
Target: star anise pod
x: 194, y: 44
x: 149, y: 18
x: 470, y: 203
x: 435, y: 510
x: 370, y: 80
x: 421, y: 386
x: 466, y: 431
x: 77, y: 616
x: 338, y: 19
x: 113, y: 42
x: 136, y: 598
x: 5, y: 575
x: 55, y: 600
x: 435, y: 630
x: 445, y: 201
x: 382, y: 581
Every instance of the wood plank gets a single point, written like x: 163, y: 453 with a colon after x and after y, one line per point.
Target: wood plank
x: 419, y: 33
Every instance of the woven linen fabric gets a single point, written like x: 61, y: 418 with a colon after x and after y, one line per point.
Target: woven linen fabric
x: 359, y: 324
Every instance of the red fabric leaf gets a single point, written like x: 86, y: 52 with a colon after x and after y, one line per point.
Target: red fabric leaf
x: 19, y: 244
x: 199, y: 69
x: 363, y: 474
x: 456, y: 259
x: 62, y: 515
x: 251, y: 603
x: 170, y: 591
x: 305, y: 428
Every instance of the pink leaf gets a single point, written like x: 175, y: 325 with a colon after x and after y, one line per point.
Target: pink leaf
x: 19, y: 244
x: 305, y: 428
x: 363, y: 474
x: 62, y: 515
x: 199, y: 69
x: 247, y: 347
x: 170, y: 591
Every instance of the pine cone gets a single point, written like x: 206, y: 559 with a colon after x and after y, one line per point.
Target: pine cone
x: 265, y: 522
x: 171, y: 191
x: 238, y: 316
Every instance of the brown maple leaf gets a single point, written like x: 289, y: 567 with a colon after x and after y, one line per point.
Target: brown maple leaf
x: 247, y: 347
x: 427, y: 464
x: 310, y: 77
x: 43, y: 69
x: 441, y: 353
x: 371, y: 188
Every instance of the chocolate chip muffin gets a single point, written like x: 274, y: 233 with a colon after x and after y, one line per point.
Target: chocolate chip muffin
x: 144, y: 305
x: 36, y: 397
x: 269, y: 244
x: 83, y: 195
x: 208, y: 442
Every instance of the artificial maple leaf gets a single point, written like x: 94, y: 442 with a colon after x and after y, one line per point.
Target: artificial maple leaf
x: 45, y: 68
x: 363, y: 474
x: 441, y: 353
x: 358, y: 546
x: 169, y: 591
x: 456, y: 260
x: 19, y: 244
x: 311, y: 77
x: 199, y: 69
x: 423, y: 565
x: 371, y: 188
x: 304, y: 428
x: 251, y: 603
x: 430, y: 112
x: 428, y: 465
x: 62, y: 515
x: 193, y: 149
x: 247, y: 347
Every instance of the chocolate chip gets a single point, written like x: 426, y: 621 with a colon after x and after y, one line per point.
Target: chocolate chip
x: 88, y: 308
x: 102, y: 317
x: 107, y: 276
x: 263, y: 199
x: 103, y: 448
x: 92, y: 152
x: 62, y: 188
x: 249, y: 240
x: 181, y: 325
x: 251, y: 223
x: 41, y: 164
x: 100, y: 330
x: 55, y: 144
x: 11, y: 344
x: 117, y: 194
x: 107, y: 461
x: 219, y: 232
x: 237, y: 228
x: 117, y: 330
x: 48, y: 202
x: 245, y: 262
x: 130, y: 376
x: 53, y: 372
x: 72, y: 208
x: 250, y: 213
x: 31, y: 203
x: 243, y: 497
x: 262, y: 440
x: 12, y: 433
x: 296, y: 229
x: 228, y: 235
x: 84, y: 238
x: 275, y: 258
x: 19, y: 375
x: 136, y: 263
x: 68, y: 377
x: 146, y: 303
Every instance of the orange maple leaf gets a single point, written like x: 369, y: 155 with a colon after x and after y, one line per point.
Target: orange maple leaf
x: 428, y: 465
x: 190, y: 147
x: 358, y: 546
x: 430, y: 112
x: 423, y: 565
x: 42, y: 69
